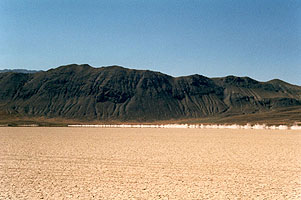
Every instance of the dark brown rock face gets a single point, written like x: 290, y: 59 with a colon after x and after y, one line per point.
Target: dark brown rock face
x: 116, y: 93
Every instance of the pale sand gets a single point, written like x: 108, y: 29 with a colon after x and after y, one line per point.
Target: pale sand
x: 99, y: 163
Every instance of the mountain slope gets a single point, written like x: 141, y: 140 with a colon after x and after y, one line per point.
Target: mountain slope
x: 116, y: 93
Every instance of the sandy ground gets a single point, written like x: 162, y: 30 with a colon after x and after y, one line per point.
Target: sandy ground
x: 133, y: 163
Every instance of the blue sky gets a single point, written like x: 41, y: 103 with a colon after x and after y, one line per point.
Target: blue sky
x: 256, y: 38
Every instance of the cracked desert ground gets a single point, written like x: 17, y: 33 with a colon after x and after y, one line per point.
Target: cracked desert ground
x: 133, y: 163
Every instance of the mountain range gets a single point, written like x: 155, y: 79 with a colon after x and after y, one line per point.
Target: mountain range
x: 19, y: 71
x: 84, y: 94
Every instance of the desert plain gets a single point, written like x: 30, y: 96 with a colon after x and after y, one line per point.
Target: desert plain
x: 149, y: 163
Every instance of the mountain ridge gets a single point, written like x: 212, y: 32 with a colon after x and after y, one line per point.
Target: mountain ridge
x: 82, y: 92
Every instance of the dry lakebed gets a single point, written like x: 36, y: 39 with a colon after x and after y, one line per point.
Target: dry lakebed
x: 149, y: 163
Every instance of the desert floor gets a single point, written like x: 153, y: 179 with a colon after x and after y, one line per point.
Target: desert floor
x: 133, y: 163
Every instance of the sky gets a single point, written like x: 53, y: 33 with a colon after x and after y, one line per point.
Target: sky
x: 256, y: 38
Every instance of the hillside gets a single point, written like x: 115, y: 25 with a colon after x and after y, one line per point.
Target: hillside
x: 83, y: 93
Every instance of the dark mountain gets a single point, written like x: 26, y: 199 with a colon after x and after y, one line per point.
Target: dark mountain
x: 81, y: 92
x: 25, y: 71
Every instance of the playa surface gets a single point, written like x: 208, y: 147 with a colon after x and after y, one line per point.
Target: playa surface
x: 149, y: 163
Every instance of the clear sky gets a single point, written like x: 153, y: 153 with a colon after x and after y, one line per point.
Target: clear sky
x: 256, y: 38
